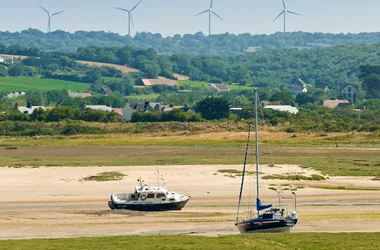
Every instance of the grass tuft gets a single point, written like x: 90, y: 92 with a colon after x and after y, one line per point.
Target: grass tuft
x: 296, y: 177
x: 346, y: 188
x: 106, y: 176
x: 235, y: 172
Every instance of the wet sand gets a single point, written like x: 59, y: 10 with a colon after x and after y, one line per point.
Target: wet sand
x: 54, y: 202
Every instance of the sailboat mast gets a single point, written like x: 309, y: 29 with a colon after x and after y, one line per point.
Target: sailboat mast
x: 257, y: 145
x: 245, y: 162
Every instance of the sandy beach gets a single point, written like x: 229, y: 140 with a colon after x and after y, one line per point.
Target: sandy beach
x: 55, y: 202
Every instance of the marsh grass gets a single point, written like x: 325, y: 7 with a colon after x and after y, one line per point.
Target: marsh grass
x: 346, y: 188
x: 182, y: 134
x: 104, y: 177
x: 341, y: 216
x: 11, y: 148
x: 235, y: 172
x: 195, y: 147
x: 296, y: 177
x: 286, y: 187
x: 304, y: 241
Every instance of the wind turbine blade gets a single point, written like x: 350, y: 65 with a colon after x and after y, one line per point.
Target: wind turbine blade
x: 45, y: 10
x: 283, y: 3
x: 282, y: 12
x: 136, y: 6
x: 202, y: 12
x: 58, y: 13
x: 211, y: 4
x: 291, y: 12
x: 133, y: 23
x: 217, y: 15
x: 122, y: 9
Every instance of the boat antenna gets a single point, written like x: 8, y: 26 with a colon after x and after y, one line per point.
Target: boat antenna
x: 158, y: 176
x: 279, y: 192
x: 246, y: 155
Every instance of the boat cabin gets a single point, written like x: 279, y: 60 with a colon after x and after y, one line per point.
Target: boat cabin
x: 273, y: 214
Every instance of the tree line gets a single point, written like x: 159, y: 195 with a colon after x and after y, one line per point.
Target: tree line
x: 222, y: 44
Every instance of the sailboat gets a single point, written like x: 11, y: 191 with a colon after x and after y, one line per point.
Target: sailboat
x: 268, y: 219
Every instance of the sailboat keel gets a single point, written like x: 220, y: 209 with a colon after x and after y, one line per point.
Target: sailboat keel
x: 280, y: 226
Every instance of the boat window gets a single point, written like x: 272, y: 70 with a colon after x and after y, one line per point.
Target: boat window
x: 161, y: 196
x: 133, y: 196
x: 172, y: 199
x: 150, y: 196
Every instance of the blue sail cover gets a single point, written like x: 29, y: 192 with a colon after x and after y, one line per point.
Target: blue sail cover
x: 260, y: 206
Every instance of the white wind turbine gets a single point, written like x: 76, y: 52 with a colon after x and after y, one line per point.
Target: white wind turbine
x: 210, y: 11
x: 284, y: 12
x: 50, y: 16
x: 130, y: 18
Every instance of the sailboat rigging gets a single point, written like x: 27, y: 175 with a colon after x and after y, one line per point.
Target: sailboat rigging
x: 273, y: 219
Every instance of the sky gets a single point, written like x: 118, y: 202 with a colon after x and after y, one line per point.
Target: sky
x: 170, y: 17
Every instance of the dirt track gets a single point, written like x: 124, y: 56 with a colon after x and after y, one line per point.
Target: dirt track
x: 53, y: 202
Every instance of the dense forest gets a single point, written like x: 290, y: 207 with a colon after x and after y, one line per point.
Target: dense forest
x: 223, y: 44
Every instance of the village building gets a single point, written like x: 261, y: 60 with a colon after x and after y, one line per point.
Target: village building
x: 283, y: 108
x: 15, y: 94
x: 28, y: 109
x: 236, y: 111
x: 132, y: 107
x: 350, y: 92
x: 79, y: 94
x: 7, y: 60
x: 160, y: 81
x: 106, y: 91
x: 220, y: 87
x: 335, y: 103
x: 105, y: 108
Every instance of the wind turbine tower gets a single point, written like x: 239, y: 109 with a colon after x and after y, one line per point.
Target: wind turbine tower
x: 210, y: 12
x: 50, y: 16
x: 130, y: 18
x: 284, y: 12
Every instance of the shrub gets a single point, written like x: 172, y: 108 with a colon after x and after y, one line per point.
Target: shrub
x: 78, y: 128
x: 290, y: 130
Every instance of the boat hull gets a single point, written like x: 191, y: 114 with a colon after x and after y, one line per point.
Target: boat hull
x: 275, y: 226
x: 149, y: 206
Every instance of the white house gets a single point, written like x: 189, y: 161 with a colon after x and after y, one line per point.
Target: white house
x: 284, y: 108
x: 100, y: 107
x: 29, y: 109
x: 15, y: 94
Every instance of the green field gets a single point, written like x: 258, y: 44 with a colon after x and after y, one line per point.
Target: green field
x: 32, y: 84
x: 304, y: 241
x: 350, y: 159
x: 198, y: 85
x: 141, y: 98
